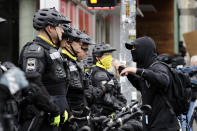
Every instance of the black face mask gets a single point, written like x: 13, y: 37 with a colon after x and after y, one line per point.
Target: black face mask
x: 134, y: 55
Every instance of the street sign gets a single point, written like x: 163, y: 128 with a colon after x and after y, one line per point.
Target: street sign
x: 100, y: 8
x: 101, y: 3
x: 93, y: 1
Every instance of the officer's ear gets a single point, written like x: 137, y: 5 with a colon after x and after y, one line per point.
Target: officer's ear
x: 49, y: 29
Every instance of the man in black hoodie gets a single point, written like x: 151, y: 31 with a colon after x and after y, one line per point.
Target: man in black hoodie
x: 151, y: 79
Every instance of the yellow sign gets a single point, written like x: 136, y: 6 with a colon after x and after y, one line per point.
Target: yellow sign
x: 127, y: 9
x: 93, y: 1
x: 132, y: 37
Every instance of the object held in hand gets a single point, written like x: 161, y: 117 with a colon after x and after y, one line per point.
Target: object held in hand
x: 121, y: 68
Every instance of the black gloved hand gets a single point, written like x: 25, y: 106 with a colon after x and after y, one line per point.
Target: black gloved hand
x: 34, y: 95
x: 29, y: 94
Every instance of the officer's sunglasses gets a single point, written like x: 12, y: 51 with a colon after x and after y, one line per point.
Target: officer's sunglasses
x: 84, y: 49
x: 76, y: 40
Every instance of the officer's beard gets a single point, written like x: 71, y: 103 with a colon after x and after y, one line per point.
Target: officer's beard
x: 58, y: 39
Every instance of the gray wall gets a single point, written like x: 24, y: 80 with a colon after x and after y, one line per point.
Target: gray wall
x: 115, y: 32
x: 27, y: 9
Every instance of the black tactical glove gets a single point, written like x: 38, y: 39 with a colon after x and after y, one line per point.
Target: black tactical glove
x: 34, y: 95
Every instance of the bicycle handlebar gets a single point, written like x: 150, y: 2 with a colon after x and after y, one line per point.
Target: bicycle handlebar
x: 120, y: 118
x: 88, y: 118
x: 121, y: 121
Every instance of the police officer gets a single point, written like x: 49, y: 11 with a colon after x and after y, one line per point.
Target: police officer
x: 86, y: 42
x: 71, y: 47
x: 43, y: 64
x: 104, y: 95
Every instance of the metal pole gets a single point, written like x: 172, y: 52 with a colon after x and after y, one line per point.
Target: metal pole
x: 127, y: 34
x: 176, y: 39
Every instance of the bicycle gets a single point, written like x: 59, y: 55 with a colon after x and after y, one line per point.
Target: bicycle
x: 117, y: 121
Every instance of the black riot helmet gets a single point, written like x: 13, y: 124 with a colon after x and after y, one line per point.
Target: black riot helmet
x: 100, y: 49
x: 71, y: 34
x: 48, y: 16
x: 86, y: 39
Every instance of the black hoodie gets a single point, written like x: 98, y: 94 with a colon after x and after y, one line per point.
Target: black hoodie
x: 145, y: 51
x: 150, y: 79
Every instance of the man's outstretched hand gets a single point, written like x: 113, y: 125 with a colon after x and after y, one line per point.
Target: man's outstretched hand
x: 128, y: 70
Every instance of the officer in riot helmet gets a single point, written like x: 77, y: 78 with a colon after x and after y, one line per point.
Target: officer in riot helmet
x: 71, y: 47
x: 104, y: 94
x: 86, y: 42
x: 71, y: 41
x: 43, y: 64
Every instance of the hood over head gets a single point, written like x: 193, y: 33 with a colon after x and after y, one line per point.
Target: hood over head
x: 145, y: 52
